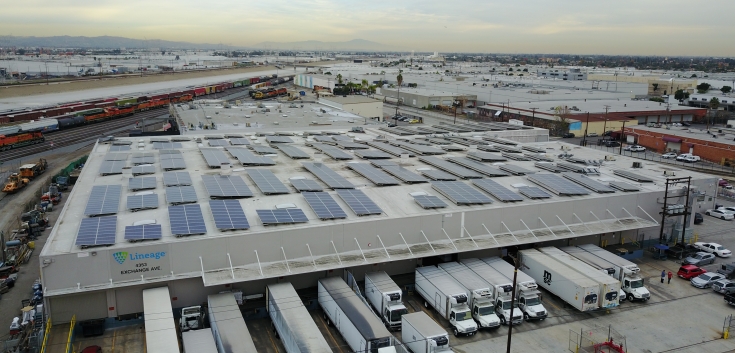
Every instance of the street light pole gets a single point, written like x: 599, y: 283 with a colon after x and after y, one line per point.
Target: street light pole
x: 586, y: 126
x: 622, y: 135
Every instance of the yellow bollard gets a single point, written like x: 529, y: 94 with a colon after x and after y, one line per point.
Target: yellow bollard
x: 726, y: 333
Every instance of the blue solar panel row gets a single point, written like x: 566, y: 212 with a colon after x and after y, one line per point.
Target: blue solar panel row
x: 186, y: 220
x: 228, y: 214
x: 143, y: 232
x: 282, y: 216
x: 97, y: 231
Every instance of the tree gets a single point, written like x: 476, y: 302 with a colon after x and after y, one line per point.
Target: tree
x: 399, y: 80
x: 655, y: 87
x: 510, y: 69
x: 364, y: 85
x: 561, y: 120
x: 703, y: 87
x: 726, y: 89
x: 681, y: 94
x: 714, y: 103
x: 657, y: 99
x: 339, y: 78
x: 694, y: 76
x: 525, y: 70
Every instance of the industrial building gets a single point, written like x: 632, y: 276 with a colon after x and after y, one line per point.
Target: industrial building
x: 363, y: 106
x: 313, y: 80
x: 701, y: 100
x: 203, y: 214
x: 423, y: 98
x: 715, y: 145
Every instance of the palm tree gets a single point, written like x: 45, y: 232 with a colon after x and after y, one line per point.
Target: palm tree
x: 714, y: 103
x: 339, y: 78
x: 365, y: 85
x: 399, y: 80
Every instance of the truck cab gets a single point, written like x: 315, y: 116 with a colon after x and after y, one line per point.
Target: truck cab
x: 483, y: 310
x: 393, y: 311
x: 502, y: 309
x: 728, y: 270
x: 192, y: 318
x: 530, y: 304
x: 634, y: 289
x: 461, y: 320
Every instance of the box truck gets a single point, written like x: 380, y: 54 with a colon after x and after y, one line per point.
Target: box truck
x: 630, y: 281
x: 527, y: 293
x: 502, y: 291
x: 292, y: 322
x: 570, y: 286
x: 385, y: 297
x: 447, y: 297
x: 481, y: 294
x: 597, y: 263
x: 609, y: 288
x: 422, y: 335
x: 354, y: 320
x: 228, y: 326
x: 199, y: 341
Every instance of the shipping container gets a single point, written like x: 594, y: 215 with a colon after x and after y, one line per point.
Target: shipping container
x: 81, y: 107
x: 200, y: 91
x: 54, y: 112
x: 25, y: 116
x: 68, y: 121
x: 42, y: 125
x: 126, y: 101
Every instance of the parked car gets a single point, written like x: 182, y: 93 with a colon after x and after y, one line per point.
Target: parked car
x: 721, y: 214
x: 567, y: 135
x: 689, y: 271
x: 592, y: 134
x: 668, y: 155
x: 414, y: 121
x: 612, y: 144
x: 723, y: 286
x: 391, y: 125
x: 92, y: 349
x: 700, y: 259
x: 680, y: 251
x: 698, y: 219
x: 713, y: 248
x: 705, y: 280
x: 637, y: 148
x: 688, y: 157
x: 686, y: 124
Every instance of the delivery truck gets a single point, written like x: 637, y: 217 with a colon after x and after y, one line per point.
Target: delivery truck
x: 630, y: 281
x: 502, y: 291
x: 527, y: 293
x: 354, y: 320
x: 597, y: 263
x: 481, y: 294
x: 440, y: 291
x: 292, y: 322
x: 421, y: 334
x: 570, y: 286
x: 385, y: 297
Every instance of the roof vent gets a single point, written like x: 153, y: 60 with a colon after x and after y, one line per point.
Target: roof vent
x: 285, y: 206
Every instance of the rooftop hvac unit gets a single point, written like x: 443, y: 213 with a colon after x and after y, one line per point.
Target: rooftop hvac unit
x: 669, y: 173
x: 637, y: 165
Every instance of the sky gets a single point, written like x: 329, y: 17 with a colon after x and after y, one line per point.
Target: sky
x: 622, y: 27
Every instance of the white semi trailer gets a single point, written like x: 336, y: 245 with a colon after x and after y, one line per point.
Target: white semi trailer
x: 597, y: 263
x: 198, y: 341
x: 571, y: 286
x: 527, y: 293
x: 359, y: 326
x: 385, y: 297
x: 502, y: 291
x: 228, y: 326
x: 481, y: 294
x: 447, y: 297
x: 630, y: 281
x: 422, y: 335
x: 293, y: 323
x: 609, y: 288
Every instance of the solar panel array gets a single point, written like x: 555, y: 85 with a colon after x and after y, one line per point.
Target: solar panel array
x: 623, y: 186
x: 282, y: 216
x: 593, y: 185
x: 186, y: 220
x: 278, y: 139
x: 552, y: 167
x: 306, y: 185
x: 293, y: 151
x: 176, y: 178
x: 239, y: 141
x: 420, y: 149
x: 515, y: 156
x: 141, y: 183
x: 632, y: 176
x: 264, y: 149
x: 404, y: 174
x: 180, y: 139
x: 478, y: 167
x: 143, y: 169
x: 173, y: 163
x: 507, y: 149
x: 226, y: 186
x: 371, y: 154
x: 142, y: 202
x: 119, y: 148
x: 227, y: 136
x: 451, y: 168
x: 116, y: 156
x: 538, y: 157
x: 498, y: 191
x: 158, y: 139
x: 143, y: 232
x: 121, y: 143
x: 377, y: 176
x: 103, y: 200
x: 170, y: 154
x: 111, y: 167
x: 360, y: 203
x: 228, y: 215
x: 328, y: 176
x: 349, y: 145
x: 138, y: 160
x: 381, y: 163
x: 434, y: 174
x: 533, y: 149
x: 396, y: 151
x: 332, y: 151
x: 177, y: 195
x: 515, y: 170
x: 485, y: 157
x: 429, y: 201
x: 267, y: 182
x: 248, y: 158
x: 215, y: 157
x: 488, y: 148
x: 167, y: 145
x: 460, y: 193
x: 97, y: 231
x: 500, y: 140
x: 557, y: 185
x: 324, y: 205
x: 533, y: 192
x: 218, y: 142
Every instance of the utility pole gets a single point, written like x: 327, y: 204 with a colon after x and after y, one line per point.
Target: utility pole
x: 604, y: 127
x: 533, y: 117
x: 512, y: 302
x: 622, y: 135
x: 586, y: 126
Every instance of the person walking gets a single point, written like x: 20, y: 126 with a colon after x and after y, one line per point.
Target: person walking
x: 670, y: 275
x: 663, y: 275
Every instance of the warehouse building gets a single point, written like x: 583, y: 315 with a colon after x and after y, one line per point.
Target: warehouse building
x: 715, y: 145
x: 424, y: 98
x: 356, y: 104
x: 312, y: 81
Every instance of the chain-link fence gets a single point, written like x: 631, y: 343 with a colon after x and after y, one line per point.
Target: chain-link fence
x: 597, y: 340
x: 704, y: 166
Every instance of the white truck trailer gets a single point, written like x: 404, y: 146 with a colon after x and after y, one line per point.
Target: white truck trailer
x: 527, y: 293
x: 293, y: 323
x: 228, y: 327
x: 160, y: 327
x: 385, y: 297
x: 627, y: 272
x: 354, y: 320
x: 481, y: 294
x: 597, y: 263
x: 447, y: 297
x: 609, y: 288
x: 422, y: 335
x: 571, y: 286
x: 502, y: 291
x: 199, y: 341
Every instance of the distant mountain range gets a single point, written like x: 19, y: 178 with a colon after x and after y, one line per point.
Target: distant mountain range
x: 311, y: 45
x: 105, y: 42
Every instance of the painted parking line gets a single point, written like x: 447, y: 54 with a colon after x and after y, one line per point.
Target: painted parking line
x: 270, y: 337
x: 326, y: 328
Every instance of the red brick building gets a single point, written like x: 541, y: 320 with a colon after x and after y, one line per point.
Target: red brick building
x: 702, y: 144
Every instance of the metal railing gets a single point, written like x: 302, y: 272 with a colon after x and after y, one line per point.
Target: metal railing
x: 701, y: 166
x: 71, y: 333
x: 46, y: 333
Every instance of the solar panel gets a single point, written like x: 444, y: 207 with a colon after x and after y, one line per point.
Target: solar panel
x: 478, y: 167
x: 226, y: 186
x: 328, y: 176
x: 515, y: 170
x: 371, y: 154
x: 498, y: 191
x: 240, y: 141
x: 143, y: 169
x: 248, y: 158
x: 488, y: 148
x: 420, y: 149
x: 218, y: 142
x: 264, y: 150
x: 377, y: 176
x: 167, y: 145
x: 434, y: 174
x: 111, y: 167
x: 324, y: 205
x: 533, y: 149
x: 593, y: 185
x: 103, y: 200
x: 116, y: 156
x: 460, y: 193
x: 97, y: 231
x: 177, y: 195
x: 119, y: 148
x: 533, y: 192
x: 508, y: 149
x: 349, y: 145
x: 138, y: 160
x: 121, y: 143
x: 538, y: 157
x: 306, y: 185
x: 623, y: 186
x: 396, y: 151
x: 327, y: 139
x: 159, y: 139
x: 404, y: 174
x: 429, y: 201
x: 176, y: 178
x: 381, y: 163
x: 515, y: 156
x: 170, y: 154
x: 332, y: 151
x: 293, y: 152
x: 451, y: 168
x: 632, y: 176
x: 173, y: 164
x: 215, y: 157
x: 267, y: 182
x: 227, y: 136
x: 143, y: 232
x: 142, y: 202
x: 228, y: 215
x: 186, y: 220
x: 180, y: 138
x: 500, y: 140
x: 278, y: 139
x: 213, y: 137
x: 282, y: 216
x: 557, y: 185
x: 360, y: 203
x: 141, y: 183
x: 552, y: 167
